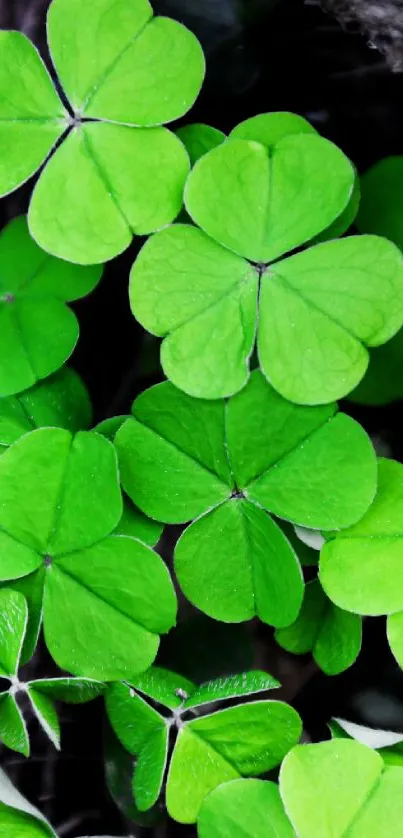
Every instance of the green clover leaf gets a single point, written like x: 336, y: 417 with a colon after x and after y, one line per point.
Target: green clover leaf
x: 229, y: 464
x: 116, y: 172
x: 210, y: 291
x: 198, y: 139
x: 38, y: 331
x: 18, y: 817
x: 332, y: 635
x: 60, y: 501
x: 248, y: 739
x: 13, y: 731
x: 61, y: 400
x: 341, y: 789
x: 244, y: 809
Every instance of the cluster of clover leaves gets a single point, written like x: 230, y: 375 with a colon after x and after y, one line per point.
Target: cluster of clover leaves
x: 266, y: 318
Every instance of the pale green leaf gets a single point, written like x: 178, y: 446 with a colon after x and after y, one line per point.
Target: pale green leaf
x: 244, y: 809
x: 172, y: 467
x: 235, y: 563
x: 341, y: 789
x: 60, y: 400
x: 199, y: 138
x: 340, y: 297
x: 105, y: 606
x: 269, y: 128
x: 332, y: 635
x: 185, y: 287
x: 32, y: 117
x: 281, y: 200
x: 165, y: 687
x: 248, y: 739
x: 361, y: 568
x: 247, y: 683
x: 13, y: 731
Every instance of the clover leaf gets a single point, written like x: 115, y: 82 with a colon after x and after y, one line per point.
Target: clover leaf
x: 199, y: 138
x: 230, y: 463
x: 223, y: 745
x: 332, y: 635
x: 18, y: 817
x: 381, y: 199
x: 382, y: 382
x: 116, y: 171
x: 61, y: 400
x: 13, y: 731
x: 341, y: 788
x: 244, y: 809
x: 210, y: 291
x: 38, y: 331
x: 105, y: 597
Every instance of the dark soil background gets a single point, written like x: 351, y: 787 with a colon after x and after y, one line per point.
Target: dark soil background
x: 262, y: 55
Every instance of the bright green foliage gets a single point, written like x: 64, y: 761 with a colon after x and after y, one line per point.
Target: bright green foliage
x: 166, y: 687
x: 332, y: 635
x: 210, y: 292
x: 38, y: 331
x: 381, y: 207
x: 133, y: 521
x: 18, y: 818
x: 117, y: 172
x: 383, y: 380
x: 249, y: 739
x: 13, y: 732
x: 198, y: 139
x: 341, y: 789
x: 60, y: 400
x: 244, y: 809
x: 229, y: 463
x: 361, y: 568
x: 105, y: 598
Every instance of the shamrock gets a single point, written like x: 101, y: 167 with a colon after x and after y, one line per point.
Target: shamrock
x: 361, y: 567
x: 13, y: 731
x: 341, y: 788
x: 38, y: 331
x: 60, y: 400
x: 230, y: 463
x: 105, y: 598
x: 210, y: 749
x: 331, y: 634
x: 116, y: 172
x: 209, y: 291
x: 244, y: 809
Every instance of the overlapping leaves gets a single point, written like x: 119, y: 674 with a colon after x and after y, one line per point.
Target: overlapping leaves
x: 119, y: 67
x: 105, y: 598
x: 244, y: 809
x: 210, y: 290
x: 248, y: 739
x: 41, y: 692
x: 230, y: 463
x: 38, y: 331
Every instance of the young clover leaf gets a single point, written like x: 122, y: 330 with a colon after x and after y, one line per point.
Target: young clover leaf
x: 361, y: 568
x: 208, y: 290
x: 341, y: 789
x: 116, y: 172
x: 18, y: 817
x: 133, y: 521
x: 231, y: 463
x: 13, y: 731
x: 198, y: 139
x: 247, y: 739
x: 332, y: 635
x: 38, y: 331
x: 244, y: 809
x: 61, y: 400
x: 106, y: 598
